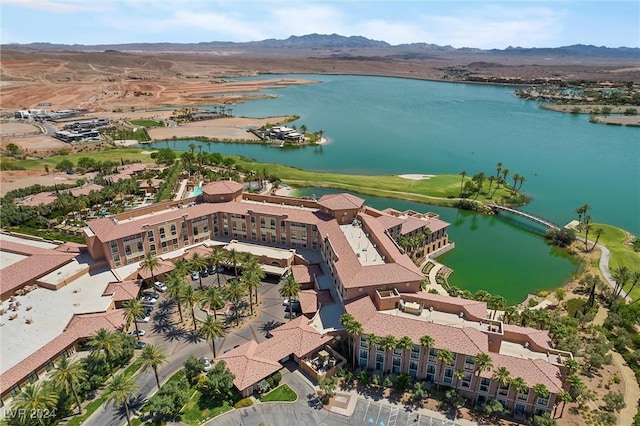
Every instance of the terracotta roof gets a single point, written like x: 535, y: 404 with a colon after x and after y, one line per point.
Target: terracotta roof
x: 467, y: 341
x: 303, y: 274
x: 70, y: 247
x: 86, y: 189
x: 123, y: 291
x: 80, y: 327
x: 131, y: 169
x: 308, y: 301
x: 41, y: 198
x: 532, y: 371
x: 389, y: 221
x: 163, y: 267
x: 342, y: 201
x: 476, y: 309
x: 222, y: 187
x: 252, y: 362
x: 35, y: 266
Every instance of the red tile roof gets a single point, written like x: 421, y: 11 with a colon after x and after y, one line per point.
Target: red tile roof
x: 222, y: 187
x: 247, y: 367
x: 80, y: 327
x: 26, y: 270
x: 475, y: 309
x: 532, y: 371
x: 304, y: 274
x: 467, y: 341
x: 342, y: 201
x: 308, y: 301
x: 41, y: 198
x: 123, y: 291
x: 86, y: 189
x: 163, y: 267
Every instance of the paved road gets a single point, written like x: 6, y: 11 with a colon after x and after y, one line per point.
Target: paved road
x: 179, y: 342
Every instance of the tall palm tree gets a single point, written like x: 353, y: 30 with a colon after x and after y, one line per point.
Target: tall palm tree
x: 234, y: 258
x: 150, y: 263
x: 621, y: 275
x: 176, y: 284
x: 69, y: 374
x: 483, y: 363
x: 445, y: 357
x: 251, y: 278
x: 521, y: 180
x: 217, y: 257
x: 353, y: 329
x: 133, y: 309
x: 518, y: 384
x: 212, y: 329
x: 388, y: 343
x: 289, y: 289
x: 501, y: 377
x: 427, y: 343
x: 516, y: 179
x: 463, y: 174
x: 119, y: 391
x: 191, y: 297
x: 540, y: 390
x: 197, y: 264
x: 104, y: 341
x: 405, y: 343
x: 564, y: 397
x: 36, y: 397
x: 213, y: 298
x: 498, y: 170
x: 505, y: 173
x: 372, y: 341
x: 153, y: 356
x: 598, y: 232
x: 235, y: 293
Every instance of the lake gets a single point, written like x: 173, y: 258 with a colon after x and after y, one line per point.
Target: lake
x: 380, y: 125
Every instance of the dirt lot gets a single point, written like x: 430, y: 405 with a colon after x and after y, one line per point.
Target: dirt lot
x: 15, y: 179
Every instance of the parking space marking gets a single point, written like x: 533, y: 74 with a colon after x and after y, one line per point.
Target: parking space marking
x: 379, y: 410
x: 366, y: 410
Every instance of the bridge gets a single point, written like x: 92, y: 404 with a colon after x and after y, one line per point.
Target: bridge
x: 532, y: 217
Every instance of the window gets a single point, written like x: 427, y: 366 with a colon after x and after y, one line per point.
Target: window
x: 469, y: 362
x: 272, y: 223
x: 162, y: 233
x: 413, y: 368
x: 539, y: 412
x: 397, y: 351
x: 364, y: 344
x: 150, y: 236
x: 485, y: 384
x: 523, y: 395
x: 433, y: 355
x: 174, y: 230
x: 543, y: 401
x: 396, y: 364
x: 262, y: 222
x: 466, y: 380
x: 114, y: 247
x: 152, y: 249
x: 127, y: 250
x: 364, y: 358
x: 448, y: 376
x: 273, y: 238
x: 379, y: 361
x: 254, y: 235
x: 164, y: 246
x: 503, y: 390
x: 283, y: 239
x: 519, y: 409
x: 415, y: 352
x: 116, y: 260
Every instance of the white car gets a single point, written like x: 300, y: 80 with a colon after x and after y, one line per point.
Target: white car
x: 288, y: 302
x: 195, y: 276
x: 145, y: 318
x: 148, y: 300
x: 160, y: 286
x: 138, y: 333
x: 207, y: 364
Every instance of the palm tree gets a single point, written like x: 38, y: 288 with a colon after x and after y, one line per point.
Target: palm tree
x: 235, y: 293
x: 69, y: 374
x: 252, y: 275
x: 540, y: 390
x: 498, y: 169
x: 564, y: 397
x: 353, y: 329
x: 580, y: 212
x: 463, y: 174
x: 133, y: 309
x: 445, y: 357
x: 119, y: 391
x: 175, y: 288
x: 36, y: 397
x: 290, y: 289
x: 458, y: 374
x: 501, y: 377
x: 105, y: 341
x: 191, y: 297
x: 516, y: 179
x: 621, y: 275
x: 572, y: 366
x: 505, y: 173
x: 483, y: 363
x: 388, y: 343
x: 372, y: 341
x: 217, y: 257
x: 197, y: 264
x: 212, y: 328
x: 150, y: 263
x: 213, y: 298
x: 518, y: 384
x: 491, y: 179
x: 598, y: 232
x: 153, y: 356
x: 522, y: 180
x: 427, y: 343
x: 234, y: 257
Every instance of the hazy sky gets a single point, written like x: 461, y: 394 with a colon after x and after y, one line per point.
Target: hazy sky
x: 471, y: 23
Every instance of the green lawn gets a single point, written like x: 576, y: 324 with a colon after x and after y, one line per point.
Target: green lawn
x: 197, y: 412
x: 621, y: 254
x: 117, y: 155
x: 147, y: 123
x: 279, y: 394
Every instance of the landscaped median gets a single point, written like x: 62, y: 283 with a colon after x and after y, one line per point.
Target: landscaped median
x: 282, y: 393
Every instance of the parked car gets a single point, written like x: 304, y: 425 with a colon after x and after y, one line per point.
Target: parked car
x: 204, y: 273
x: 148, y: 300
x: 160, y: 287
x: 220, y: 269
x: 138, y: 333
x: 195, y: 276
x: 147, y: 310
x: 144, y: 318
x: 287, y: 302
x: 291, y: 315
x: 207, y: 364
x: 151, y: 294
x: 211, y: 270
x: 140, y: 344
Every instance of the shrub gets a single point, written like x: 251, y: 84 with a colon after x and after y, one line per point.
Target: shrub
x: 533, y: 302
x: 277, y: 377
x: 245, y: 402
x: 574, y: 305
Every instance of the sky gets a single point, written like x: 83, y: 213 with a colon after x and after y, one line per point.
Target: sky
x: 481, y: 24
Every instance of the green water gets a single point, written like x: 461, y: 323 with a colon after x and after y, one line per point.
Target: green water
x: 391, y: 126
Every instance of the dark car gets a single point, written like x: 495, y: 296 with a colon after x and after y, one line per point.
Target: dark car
x: 204, y: 273
x: 291, y: 315
x: 140, y: 344
x: 211, y: 270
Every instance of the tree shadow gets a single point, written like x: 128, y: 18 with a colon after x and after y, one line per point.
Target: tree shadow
x: 192, y: 337
x: 267, y: 326
x: 174, y: 334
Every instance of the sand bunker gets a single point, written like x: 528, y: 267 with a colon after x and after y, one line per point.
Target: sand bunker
x: 416, y: 176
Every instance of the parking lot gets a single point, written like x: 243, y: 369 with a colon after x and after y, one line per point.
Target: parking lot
x: 370, y: 412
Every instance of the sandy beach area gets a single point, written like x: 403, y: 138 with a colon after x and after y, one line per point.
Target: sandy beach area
x: 233, y: 128
x: 414, y: 176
